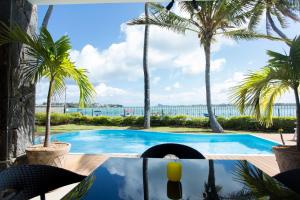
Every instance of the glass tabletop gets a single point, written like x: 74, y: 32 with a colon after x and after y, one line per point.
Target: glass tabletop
x: 134, y: 178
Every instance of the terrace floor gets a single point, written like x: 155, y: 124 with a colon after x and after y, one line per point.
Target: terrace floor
x: 86, y: 163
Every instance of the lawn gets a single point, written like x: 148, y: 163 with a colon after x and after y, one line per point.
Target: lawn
x: 75, y: 127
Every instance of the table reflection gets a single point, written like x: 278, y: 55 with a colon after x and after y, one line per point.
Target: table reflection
x: 124, y: 178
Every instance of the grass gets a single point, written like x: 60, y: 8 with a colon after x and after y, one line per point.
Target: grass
x: 75, y: 127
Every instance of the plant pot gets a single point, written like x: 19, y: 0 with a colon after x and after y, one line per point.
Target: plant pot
x: 53, y: 155
x: 287, y: 157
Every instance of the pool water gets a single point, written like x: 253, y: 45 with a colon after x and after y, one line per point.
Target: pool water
x: 132, y: 141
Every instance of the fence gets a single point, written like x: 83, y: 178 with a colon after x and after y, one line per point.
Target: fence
x: 195, y: 111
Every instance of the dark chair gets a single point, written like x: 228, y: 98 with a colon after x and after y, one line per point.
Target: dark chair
x: 290, y: 179
x: 179, y: 150
x: 28, y: 181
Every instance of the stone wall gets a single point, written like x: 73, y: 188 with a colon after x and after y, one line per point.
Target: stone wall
x: 17, y: 100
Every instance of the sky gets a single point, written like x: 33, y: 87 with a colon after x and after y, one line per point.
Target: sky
x: 112, y: 52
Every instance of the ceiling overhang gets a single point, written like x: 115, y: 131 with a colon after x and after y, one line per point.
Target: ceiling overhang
x: 57, y: 2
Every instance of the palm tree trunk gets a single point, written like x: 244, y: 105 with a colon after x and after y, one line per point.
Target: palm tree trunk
x: 146, y: 74
x: 214, y: 124
x: 47, y: 16
x: 274, y: 27
x: 48, y: 115
x: 298, y: 116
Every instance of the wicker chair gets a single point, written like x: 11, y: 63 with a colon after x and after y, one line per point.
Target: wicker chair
x: 28, y: 181
x: 179, y: 150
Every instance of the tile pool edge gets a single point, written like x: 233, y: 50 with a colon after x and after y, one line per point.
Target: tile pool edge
x: 268, y: 139
x: 137, y: 155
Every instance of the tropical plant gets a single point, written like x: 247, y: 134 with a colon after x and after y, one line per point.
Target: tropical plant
x: 51, y: 61
x: 146, y: 73
x: 258, y: 185
x: 215, y: 17
x: 260, y: 89
x: 273, y: 9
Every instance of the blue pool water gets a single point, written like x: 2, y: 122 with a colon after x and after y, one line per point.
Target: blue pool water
x: 131, y: 141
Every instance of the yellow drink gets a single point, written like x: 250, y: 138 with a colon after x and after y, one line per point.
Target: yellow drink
x: 174, y: 170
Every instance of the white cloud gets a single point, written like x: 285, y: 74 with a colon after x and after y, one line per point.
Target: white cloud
x: 168, y: 88
x: 193, y: 63
x: 103, y: 91
x: 156, y: 80
x: 123, y: 60
x: 177, y: 85
x: 220, y: 91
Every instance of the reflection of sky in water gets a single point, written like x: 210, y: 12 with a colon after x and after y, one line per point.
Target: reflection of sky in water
x: 129, y: 141
x: 123, y: 179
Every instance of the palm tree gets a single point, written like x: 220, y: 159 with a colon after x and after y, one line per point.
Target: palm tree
x: 259, y: 90
x: 146, y: 73
x: 47, y: 16
x: 273, y: 9
x: 215, y: 17
x: 51, y: 61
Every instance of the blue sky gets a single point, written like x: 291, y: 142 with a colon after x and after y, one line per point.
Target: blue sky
x: 112, y: 52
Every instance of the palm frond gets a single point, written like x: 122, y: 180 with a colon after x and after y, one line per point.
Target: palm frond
x: 164, y: 19
x: 260, y: 185
x: 244, y: 34
x: 256, y: 15
x: 51, y: 60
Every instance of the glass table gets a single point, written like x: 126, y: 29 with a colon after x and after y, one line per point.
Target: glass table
x: 135, y: 178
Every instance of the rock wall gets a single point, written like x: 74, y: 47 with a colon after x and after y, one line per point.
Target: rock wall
x: 17, y: 100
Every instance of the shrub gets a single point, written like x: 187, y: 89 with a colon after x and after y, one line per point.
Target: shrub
x: 101, y: 120
x: 139, y: 121
x: 116, y: 121
x: 233, y: 123
x: 198, y: 122
x: 156, y: 121
x: 285, y: 123
x: 129, y: 121
x: 179, y: 120
x: 242, y: 123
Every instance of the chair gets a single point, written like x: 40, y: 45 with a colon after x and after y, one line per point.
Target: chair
x: 28, y: 181
x: 179, y: 150
x: 290, y: 179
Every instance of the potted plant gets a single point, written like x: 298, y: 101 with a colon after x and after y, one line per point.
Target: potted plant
x: 260, y: 89
x: 48, y: 59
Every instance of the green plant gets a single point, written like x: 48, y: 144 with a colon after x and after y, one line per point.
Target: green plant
x: 51, y: 61
x: 215, y: 17
x: 129, y: 121
x: 246, y: 123
x: 116, y: 121
x: 275, y: 9
x: 260, y: 90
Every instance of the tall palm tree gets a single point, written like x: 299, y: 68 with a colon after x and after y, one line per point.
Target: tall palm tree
x: 146, y: 73
x: 47, y: 16
x: 215, y: 17
x: 259, y: 90
x: 281, y: 10
x: 51, y: 61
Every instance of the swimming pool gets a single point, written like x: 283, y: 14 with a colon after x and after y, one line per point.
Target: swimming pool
x: 132, y: 141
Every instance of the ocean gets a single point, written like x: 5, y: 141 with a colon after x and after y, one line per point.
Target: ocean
x: 193, y: 111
